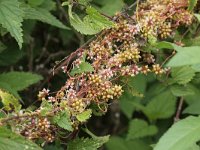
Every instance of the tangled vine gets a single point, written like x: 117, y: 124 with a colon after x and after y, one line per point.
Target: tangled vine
x: 122, y: 50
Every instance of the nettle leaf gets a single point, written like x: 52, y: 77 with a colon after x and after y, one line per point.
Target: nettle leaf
x: 9, y: 101
x: 182, y: 75
x: 161, y: 106
x: 62, y: 119
x: 87, y: 143
x: 181, y: 135
x: 139, y: 129
x: 82, y: 117
x: 11, y: 141
x: 192, y: 4
x: 11, y: 18
x: 42, y: 15
x: 185, y: 56
x: 91, y: 24
x: 180, y: 90
x: 19, y: 80
x: 84, y: 67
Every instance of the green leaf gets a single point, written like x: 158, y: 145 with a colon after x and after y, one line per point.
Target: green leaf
x: 161, y: 106
x: 197, y: 16
x: 112, y: 6
x: 181, y: 135
x: 84, y: 67
x: 182, y: 75
x: 42, y: 15
x: 10, y: 56
x: 12, y: 141
x: 9, y: 101
x: 190, y: 55
x: 91, y: 24
x: 117, y: 143
x: 35, y: 2
x: 82, y: 117
x: 45, y: 107
x: 165, y: 45
x: 11, y: 17
x: 87, y: 143
x: 178, y: 90
x: 139, y: 129
x: 19, y: 80
x: 62, y: 119
x: 192, y: 4
x: 193, y: 108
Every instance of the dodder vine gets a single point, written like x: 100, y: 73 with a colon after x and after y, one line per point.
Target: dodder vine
x: 96, y: 71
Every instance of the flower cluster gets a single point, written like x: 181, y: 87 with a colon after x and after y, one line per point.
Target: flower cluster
x: 35, y: 128
x: 118, y: 51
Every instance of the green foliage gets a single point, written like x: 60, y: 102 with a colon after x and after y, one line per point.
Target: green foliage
x: 13, y: 23
x: 9, y: 101
x: 139, y: 129
x: 46, y: 107
x: 84, y: 67
x: 91, y: 24
x: 190, y: 55
x: 11, y: 141
x: 161, y: 106
x: 87, y: 143
x: 181, y: 135
x: 84, y: 116
x: 116, y: 143
x: 192, y: 4
x: 62, y: 120
x: 43, y: 15
x: 178, y: 90
x: 17, y: 81
x: 182, y: 75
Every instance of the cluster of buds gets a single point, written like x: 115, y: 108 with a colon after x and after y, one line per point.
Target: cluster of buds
x: 36, y: 128
x: 118, y: 51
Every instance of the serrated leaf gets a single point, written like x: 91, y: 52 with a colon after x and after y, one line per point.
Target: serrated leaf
x: 62, y: 119
x: 185, y: 56
x: 91, y: 24
x: 180, y: 90
x: 11, y: 17
x: 161, y: 106
x: 19, y: 80
x: 84, y: 67
x: 181, y: 135
x: 42, y: 15
x: 192, y: 4
x: 9, y: 101
x: 87, y: 143
x: 182, y: 75
x: 139, y: 129
x: 12, y: 141
x: 82, y: 117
